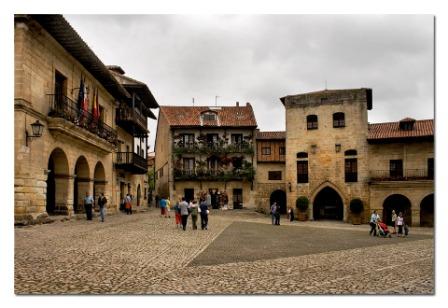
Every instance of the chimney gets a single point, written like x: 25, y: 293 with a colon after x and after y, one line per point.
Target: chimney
x: 237, y: 104
x: 247, y: 104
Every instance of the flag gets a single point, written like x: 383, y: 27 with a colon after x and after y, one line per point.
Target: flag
x: 81, y: 94
x: 95, y: 106
x: 85, y: 105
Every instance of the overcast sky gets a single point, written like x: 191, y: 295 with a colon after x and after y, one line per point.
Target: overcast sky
x: 260, y: 58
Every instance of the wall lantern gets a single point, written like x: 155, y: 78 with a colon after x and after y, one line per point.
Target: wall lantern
x: 37, y: 129
x: 337, y: 148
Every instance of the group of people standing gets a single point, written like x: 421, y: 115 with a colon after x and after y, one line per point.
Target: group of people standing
x: 89, y: 203
x: 276, y: 213
x: 398, y: 222
x: 183, y: 209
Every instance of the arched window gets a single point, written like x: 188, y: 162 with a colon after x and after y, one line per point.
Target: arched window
x: 351, y: 166
x: 311, y: 121
x: 338, y: 119
x: 302, y: 155
x: 302, y: 167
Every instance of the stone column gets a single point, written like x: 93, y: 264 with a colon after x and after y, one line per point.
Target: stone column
x: 70, y: 195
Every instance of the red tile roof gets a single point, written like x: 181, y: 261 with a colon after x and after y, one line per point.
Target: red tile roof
x: 228, y: 116
x: 271, y: 135
x: 391, y: 130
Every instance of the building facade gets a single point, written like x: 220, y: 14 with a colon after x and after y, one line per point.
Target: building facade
x: 206, y: 149
x: 78, y: 150
x: 333, y: 155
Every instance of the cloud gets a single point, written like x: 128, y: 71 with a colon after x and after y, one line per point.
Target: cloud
x: 259, y: 58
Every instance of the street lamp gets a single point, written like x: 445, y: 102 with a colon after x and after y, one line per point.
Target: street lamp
x: 37, y: 129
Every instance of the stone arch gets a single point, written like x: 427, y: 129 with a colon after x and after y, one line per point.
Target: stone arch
x: 399, y: 203
x: 279, y: 196
x: 81, y: 183
x: 328, y: 204
x: 57, y: 183
x: 427, y: 211
x: 99, y: 180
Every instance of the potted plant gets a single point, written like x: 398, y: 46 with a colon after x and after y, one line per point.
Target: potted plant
x: 302, y: 207
x: 356, y: 207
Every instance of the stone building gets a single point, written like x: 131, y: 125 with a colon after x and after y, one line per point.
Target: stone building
x: 201, y: 149
x: 333, y: 155
x: 78, y: 151
x: 270, y: 174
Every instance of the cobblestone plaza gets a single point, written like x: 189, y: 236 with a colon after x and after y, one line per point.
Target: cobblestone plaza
x: 241, y: 253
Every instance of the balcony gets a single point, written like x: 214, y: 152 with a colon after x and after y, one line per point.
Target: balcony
x: 207, y: 148
x: 130, y: 120
x: 406, y: 175
x: 131, y: 162
x: 214, y: 175
x: 63, y: 107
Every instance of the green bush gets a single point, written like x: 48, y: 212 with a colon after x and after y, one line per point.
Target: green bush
x: 302, y: 203
x: 356, y: 206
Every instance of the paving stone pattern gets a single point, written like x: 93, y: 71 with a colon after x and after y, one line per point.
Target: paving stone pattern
x: 145, y: 254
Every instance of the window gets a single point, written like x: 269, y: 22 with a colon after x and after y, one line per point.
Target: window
x: 302, y: 155
x: 311, y: 122
x: 351, y: 170
x: 274, y: 175
x: 351, y: 152
x: 210, y: 116
x: 431, y: 168
x: 102, y: 115
x: 281, y: 151
x: 188, y: 165
x: 396, y: 168
x: 60, y: 89
x: 212, y: 140
x: 188, y: 140
x: 266, y: 150
x: 338, y: 119
x: 138, y: 150
x: 302, y: 171
x: 213, y: 163
x: 237, y: 138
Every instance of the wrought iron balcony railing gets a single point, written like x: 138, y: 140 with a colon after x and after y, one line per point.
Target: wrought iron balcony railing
x: 405, y: 175
x: 126, y: 114
x: 214, y: 174
x: 132, y: 162
x: 63, y: 107
x: 194, y: 147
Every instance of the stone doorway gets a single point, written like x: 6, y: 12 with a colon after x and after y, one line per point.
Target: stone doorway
x: 399, y: 203
x: 57, y: 184
x: 81, y: 184
x: 427, y: 211
x: 328, y: 205
x: 279, y: 196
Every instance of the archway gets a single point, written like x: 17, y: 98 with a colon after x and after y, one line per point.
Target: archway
x: 427, y: 211
x: 328, y: 205
x: 279, y: 196
x: 57, y: 183
x: 399, y: 203
x: 99, y: 181
x: 81, y: 183
x: 139, y: 195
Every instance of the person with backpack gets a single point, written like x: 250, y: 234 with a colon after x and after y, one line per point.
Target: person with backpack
x: 203, y: 209
x: 194, y: 214
x: 102, y: 205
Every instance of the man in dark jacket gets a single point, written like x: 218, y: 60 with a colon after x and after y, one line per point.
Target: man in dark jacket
x: 102, y: 205
x: 204, y: 215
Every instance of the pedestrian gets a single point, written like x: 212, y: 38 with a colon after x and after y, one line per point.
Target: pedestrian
x: 102, y: 205
x: 400, y: 224
x: 373, y: 220
x: 162, y: 206
x: 157, y: 200
x: 277, y: 216
x: 273, y: 211
x: 291, y: 214
x: 177, y: 213
x: 194, y: 214
x: 394, y: 219
x: 88, y: 203
x: 203, y: 209
x: 128, y: 204
x: 184, y: 212
x: 168, y: 208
